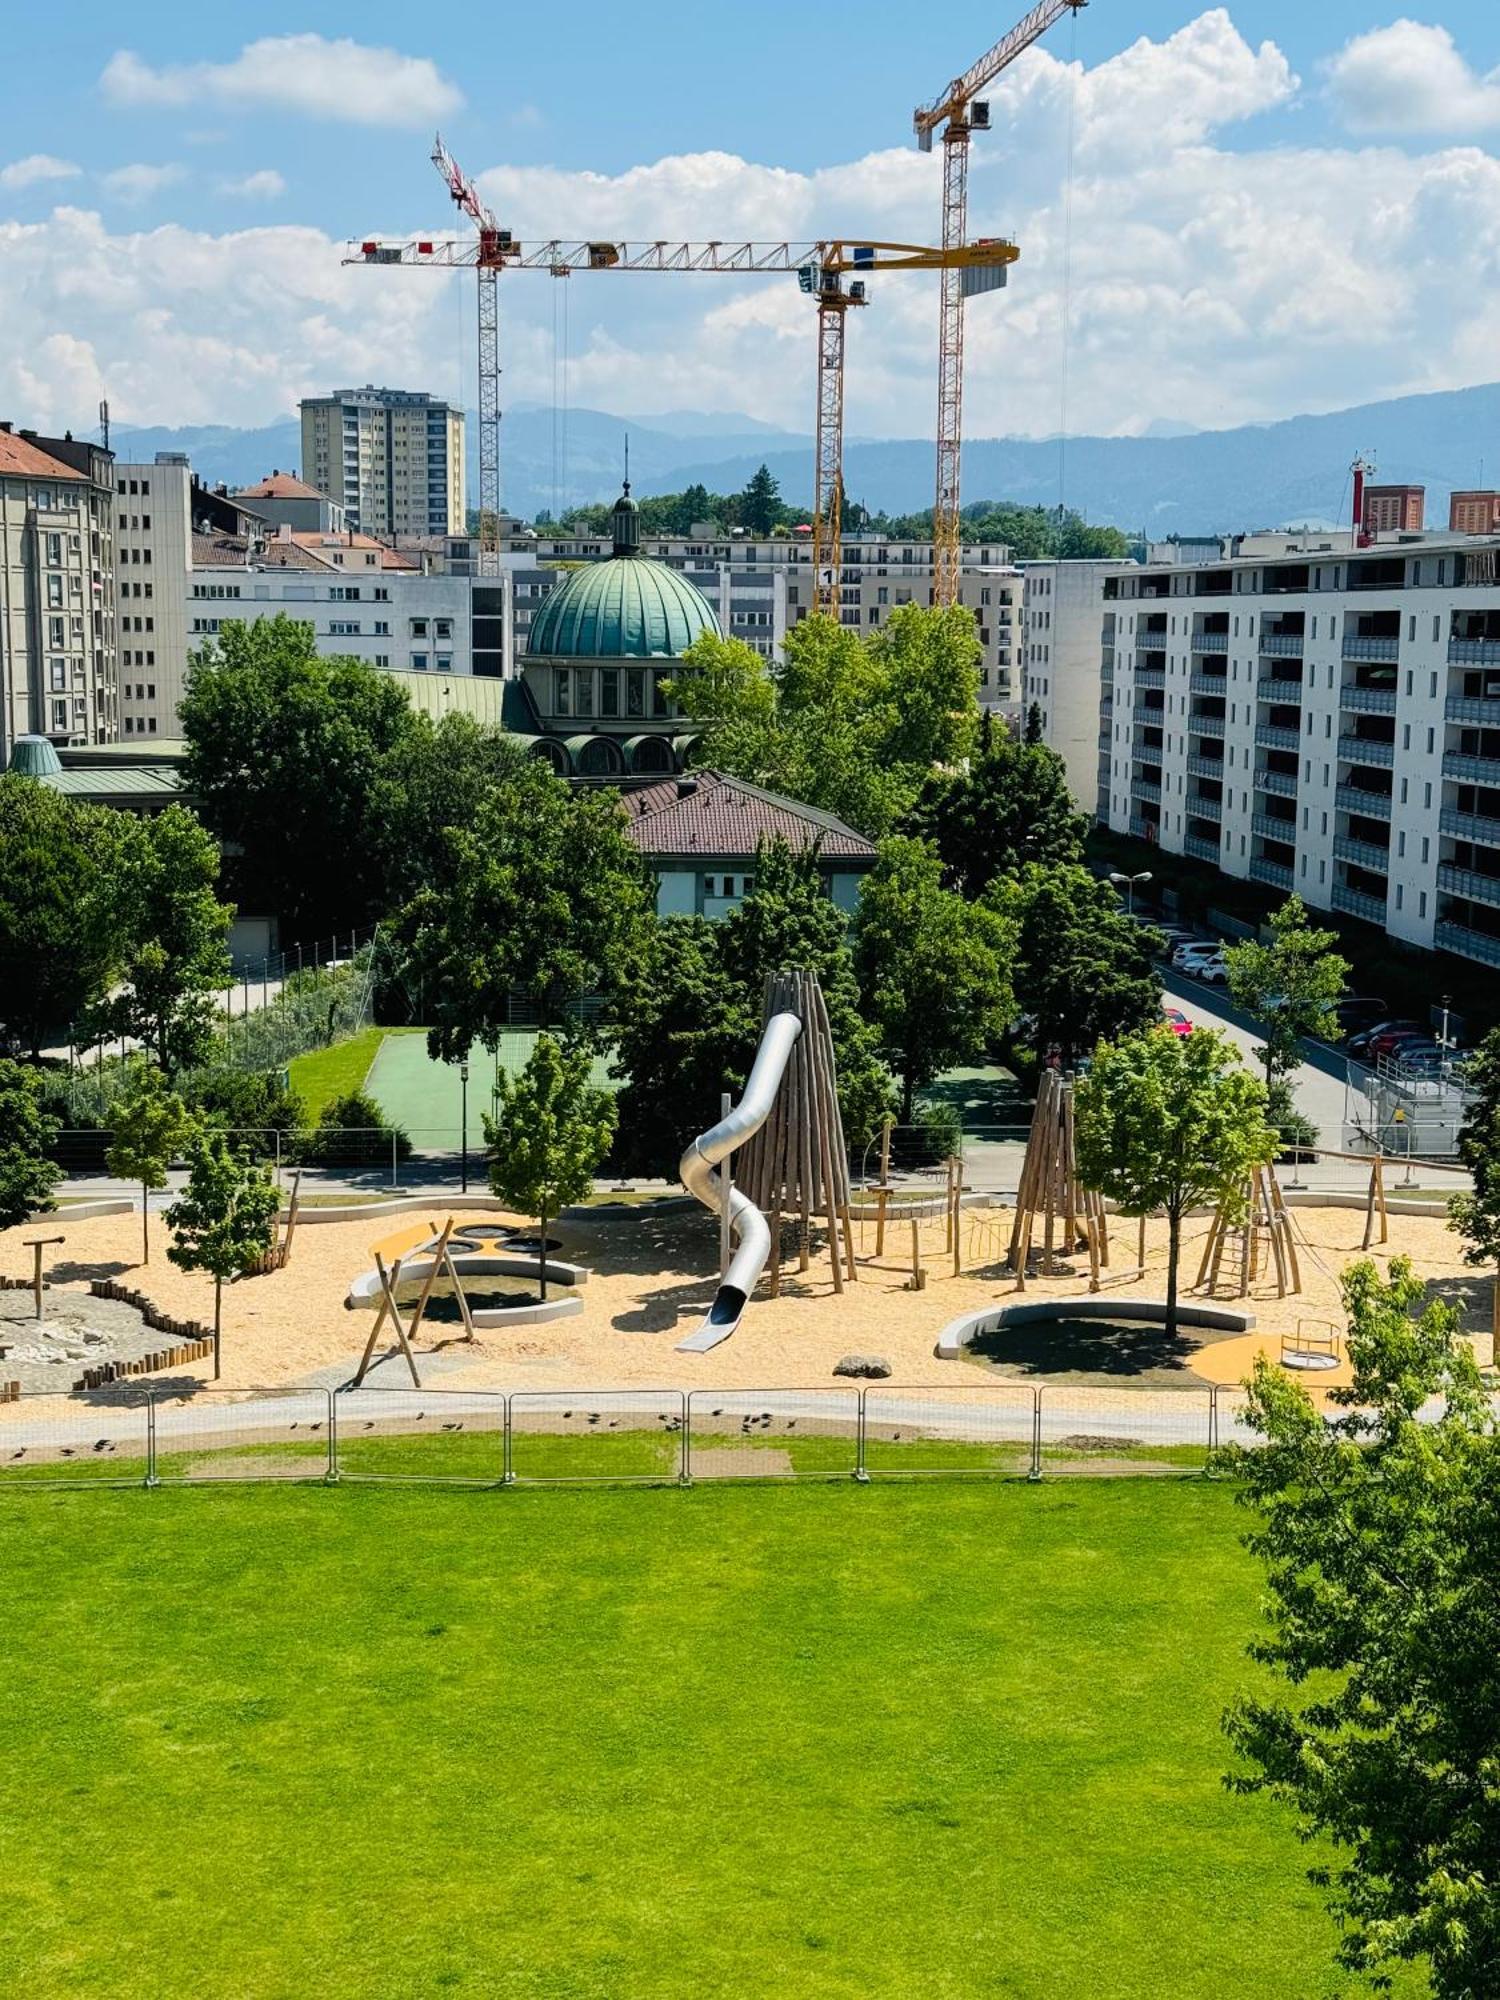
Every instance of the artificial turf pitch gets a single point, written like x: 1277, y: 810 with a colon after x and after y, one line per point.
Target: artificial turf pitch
x: 917, y: 1740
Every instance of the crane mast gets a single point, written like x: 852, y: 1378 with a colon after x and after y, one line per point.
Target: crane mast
x: 955, y: 110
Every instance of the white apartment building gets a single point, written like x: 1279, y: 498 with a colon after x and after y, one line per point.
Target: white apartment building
x: 1060, y: 663
x: 1327, y: 722
x: 153, y: 552
x: 393, y: 459
x: 58, y: 670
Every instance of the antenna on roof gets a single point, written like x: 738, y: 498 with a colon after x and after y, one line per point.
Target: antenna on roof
x: 627, y: 461
x: 104, y: 422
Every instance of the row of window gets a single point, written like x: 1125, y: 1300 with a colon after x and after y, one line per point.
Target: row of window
x: 575, y: 691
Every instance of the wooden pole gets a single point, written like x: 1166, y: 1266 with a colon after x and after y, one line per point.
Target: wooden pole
x: 885, y: 1188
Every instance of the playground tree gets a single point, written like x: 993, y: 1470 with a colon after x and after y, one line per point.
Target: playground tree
x: 1291, y: 984
x: 150, y: 1125
x: 1476, y: 1214
x: 1171, y: 1123
x: 934, y: 970
x: 27, y: 1176
x: 176, y: 960
x: 225, y: 1219
x: 550, y: 1131
x: 539, y: 890
x: 1011, y: 807
x: 1083, y: 968
x: 59, y: 928
x: 1378, y: 1528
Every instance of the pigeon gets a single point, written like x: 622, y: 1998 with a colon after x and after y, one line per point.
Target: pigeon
x: 67, y: 1451
x: 19, y: 1454
x: 104, y: 1445
x: 566, y: 1415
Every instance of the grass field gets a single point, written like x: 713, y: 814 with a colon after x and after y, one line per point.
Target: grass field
x: 324, y: 1074
x: 426, y: 1097
x: 561, y: 1745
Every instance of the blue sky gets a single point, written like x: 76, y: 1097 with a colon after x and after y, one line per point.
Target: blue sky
x: 175, y: 182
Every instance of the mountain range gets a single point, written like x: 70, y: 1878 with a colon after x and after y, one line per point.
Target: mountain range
x: 1252, y: 476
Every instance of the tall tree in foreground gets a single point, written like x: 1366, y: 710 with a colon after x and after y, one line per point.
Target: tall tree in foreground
x: 1476, y: 1214
x: 224, y: 1222
x: 175, y: 961
x: 1012, y: 807
x: 1083, y: 968
x: 1378, y: 1530
x: 1290, y: 983
x: 1170, y: 1123
x: 27, y: 1133
x: 60, y: 928
x: 549, y: 1133
x: 149, y: 1124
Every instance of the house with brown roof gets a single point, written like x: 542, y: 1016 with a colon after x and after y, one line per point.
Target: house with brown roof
x: 289, y: 502
x: 700, y: 834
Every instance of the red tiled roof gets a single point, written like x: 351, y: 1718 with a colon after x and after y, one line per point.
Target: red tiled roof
x: 329, y: 547
x: 708, y: 813
x: 225, y: 551
x: 19, y: 455
x: 279, y: 486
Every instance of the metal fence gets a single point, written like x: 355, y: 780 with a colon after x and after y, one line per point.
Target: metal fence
x: 178, y: 1434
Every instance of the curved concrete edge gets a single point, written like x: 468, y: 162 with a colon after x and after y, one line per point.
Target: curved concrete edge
x: 81, y: 1211
x: 1312, y: 1198
x: 365, y: 1294
x: 536, y: 1314
x: 406, y: 1204
x: 959, y: 1333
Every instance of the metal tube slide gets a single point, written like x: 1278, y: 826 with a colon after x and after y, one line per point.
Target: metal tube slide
x: 699, y: 1176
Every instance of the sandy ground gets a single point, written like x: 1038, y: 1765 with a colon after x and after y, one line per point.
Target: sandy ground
x: 653, y: 1278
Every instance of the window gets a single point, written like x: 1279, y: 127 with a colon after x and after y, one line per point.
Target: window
x: 444, y: 628
x: 635, y: 692
x: 609, y: 691
x: 562, y: 691
x: 419, y: 662
x: 54, y: 591
x: 419, y: 628
x: 59, y: 673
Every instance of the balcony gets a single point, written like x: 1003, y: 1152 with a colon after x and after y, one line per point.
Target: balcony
x: 1373, y: 805
x: 1274, y: 827
x: 1355, y: 903
x: 1270, y: 736
x: 1144, y: 829
x: 1209, y: 684
x: 1277, y: 873
x: 1145, y: 788
x: 1201, y: 849
x: 1283, y: 645
x: 1210, y: 642
x: 1200, y: 766
x: 1474, y: 770
x: 1474, y: 652
x: 1281, y: 784
x: 1382, y: 647
x: 1469, y: 826
x: 1448, y: 936
x: 1205, y: 725
x: 1196, y: 806
x: 1276, y: 690
x: 1150, y: 677
x: 1469, y: 882
x: 1362, y: 853
x: 1368, y: 701
x: 1367, y: 750
x: 1472, y: 708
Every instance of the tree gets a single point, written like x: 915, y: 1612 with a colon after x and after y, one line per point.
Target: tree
x: 550, y: 1131
x: 1378, y: 1528
x: 934, y: 970
x: 1476, y: 1214
x: 175, y: 961
x: 150, y: 1124
x: 60, y: 934
x: 1011, y: 807
x: 442, y: 773
x: 1084, y: 969
x: 1169, y: 1122
x: 760, y: 503
x: 27, y: 1176
x: 1291, y: 984
x: 539, y: 891
x: 224, y: 1221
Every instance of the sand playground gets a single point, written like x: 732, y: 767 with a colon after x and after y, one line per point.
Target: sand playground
x: 654, y: 1271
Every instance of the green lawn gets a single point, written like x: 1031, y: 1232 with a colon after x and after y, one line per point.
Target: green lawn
x: 324, y: 1074
x: 918, y: 1740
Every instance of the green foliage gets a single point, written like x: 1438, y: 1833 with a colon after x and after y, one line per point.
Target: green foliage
x: 761, y: 508
x: 1476, y: 1214
x: 1378, y: 1531
x: 352, y: 1131
x: 252, y: 1105
x: 853, y: 723
x: 758, y: 508
x: 224, y: 1221
x: 934, y: 970
x: 1295, y: 1131
x: 149, y: 1126
x: 1032, y: 533
x: 1170, y: 1122
x: 1291, y: 984
x: 1011, y: 808
x: 538, y: 891
x: 27, y: 1132
x: 1083, y: 968
x: 550, y: 1130
x: 60, y: 926
x: 175, y: 961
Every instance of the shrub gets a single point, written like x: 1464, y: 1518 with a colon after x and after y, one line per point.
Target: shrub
x: 352, y: 1131
x: 252, y: 1105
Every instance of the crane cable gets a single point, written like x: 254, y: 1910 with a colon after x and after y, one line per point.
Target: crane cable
x: 1067, y: 270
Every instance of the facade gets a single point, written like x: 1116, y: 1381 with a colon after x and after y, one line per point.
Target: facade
x: 285, y: 501
x: 1325, y: 724
x: 392, y: 459
x: 153, y: 552
x: 1392, y: 510
x: 1061, y: 663
x: 59, y: 674
x: 1476, y: 512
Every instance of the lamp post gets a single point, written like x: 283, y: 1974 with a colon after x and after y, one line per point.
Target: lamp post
x: 1129, y: 882
x: 463, y: 1078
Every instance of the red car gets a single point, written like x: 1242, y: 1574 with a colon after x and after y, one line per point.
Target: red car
x: 1176, y: 1020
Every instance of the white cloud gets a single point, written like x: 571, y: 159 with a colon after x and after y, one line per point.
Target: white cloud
x: 345, y: 80
x: 35, y: 168
x: 139, y: 181
x: 264, y: 185
x: 1410, y: 77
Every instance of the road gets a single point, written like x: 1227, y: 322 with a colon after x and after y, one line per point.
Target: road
x: 1317, y: 1084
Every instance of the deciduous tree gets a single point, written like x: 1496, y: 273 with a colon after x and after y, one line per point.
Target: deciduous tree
x: 1083, y: 968
x: 27, y: 1132
x: 1475, y: 1214
x: 224, y: 1222
x: 60, y: 929
x: 550, y: 1130
x: 149, y: 1125
x: 1290, y: 983
x: 1011, y: 807
x: 175, y: 960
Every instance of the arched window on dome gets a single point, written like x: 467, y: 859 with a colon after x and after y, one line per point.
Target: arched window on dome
x: 598, y: 757
x: 551, y: 752
x: 651, y: 754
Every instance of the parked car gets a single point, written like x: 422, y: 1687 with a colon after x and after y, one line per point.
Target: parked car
x: 1176, y: 1020
x: 1213, y: 970
x: 1196, y: 948
x: 1390, y: 1040
x: 1355, y: 1015
x: 1359, y: 1045
x: 1173, y: 937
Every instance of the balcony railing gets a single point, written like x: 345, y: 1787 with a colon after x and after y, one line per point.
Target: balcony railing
x: 1468, y: 882
x: 1474, y: 652
x: 1200, y: 766
x: 1150, y: 677
x: 1277, y: 873
x: 1368, y: 701
x: 1275, y: 690
x: 1210, y: 642
x: 1285, y: 645
x: 1144, y: 788
x: 1205, y: 725
x: 1383, y: 646
x: 1363, y: 853
x: 1200, y: 848
x: 1281, y: 784
x: 1469, y: 826
x: 1144, y: 829
x: 1472, y: 708
x: 1271, y: 736
x: 1196, y: 806
x: 1462, y: 764
x: 1275, y: 828
x: 1449, y: 936
x: 1367, y: 750
x: 1203, y: 683
x: 1373, y: 805
x: 1355, y: 903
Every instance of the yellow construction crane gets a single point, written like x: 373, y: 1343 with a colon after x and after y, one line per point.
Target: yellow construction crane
x: 822, y: 269
x: 959, y: 114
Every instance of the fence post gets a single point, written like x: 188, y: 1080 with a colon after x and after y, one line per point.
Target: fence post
x: 395, y: 1182
x: 508, y: 1473
x: 861, y: 1472
x: 682, y: 1471
x: 331, y: 1476
x: 1036, y: 1435
x: 151, y: 1478
x: 687, y: 1439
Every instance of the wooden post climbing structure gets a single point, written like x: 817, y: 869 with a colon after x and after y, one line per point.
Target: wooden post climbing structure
x: 796, y: 1167
x: 1251, y: 1232
x: 1071, y: 1215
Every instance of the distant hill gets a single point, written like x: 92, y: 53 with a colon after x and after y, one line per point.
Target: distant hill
x: 1256, y: 476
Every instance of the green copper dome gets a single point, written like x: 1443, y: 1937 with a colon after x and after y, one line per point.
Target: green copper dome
x: 628, y: 608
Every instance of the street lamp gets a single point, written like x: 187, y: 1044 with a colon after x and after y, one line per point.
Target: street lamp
x: 1128, y: 883
x: 463, y: 1078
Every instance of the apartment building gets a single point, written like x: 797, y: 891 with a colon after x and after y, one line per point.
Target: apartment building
x: 1474, y: 512
x: 1061, y: 654
x: 58, y: 668
x: 1327, y: 722
x: 285, y: 501
x: 392, y: 459
x: 153, y: 552
x: 1391, y: 510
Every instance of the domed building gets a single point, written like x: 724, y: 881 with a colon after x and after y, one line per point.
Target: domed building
x: 601, y: 647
